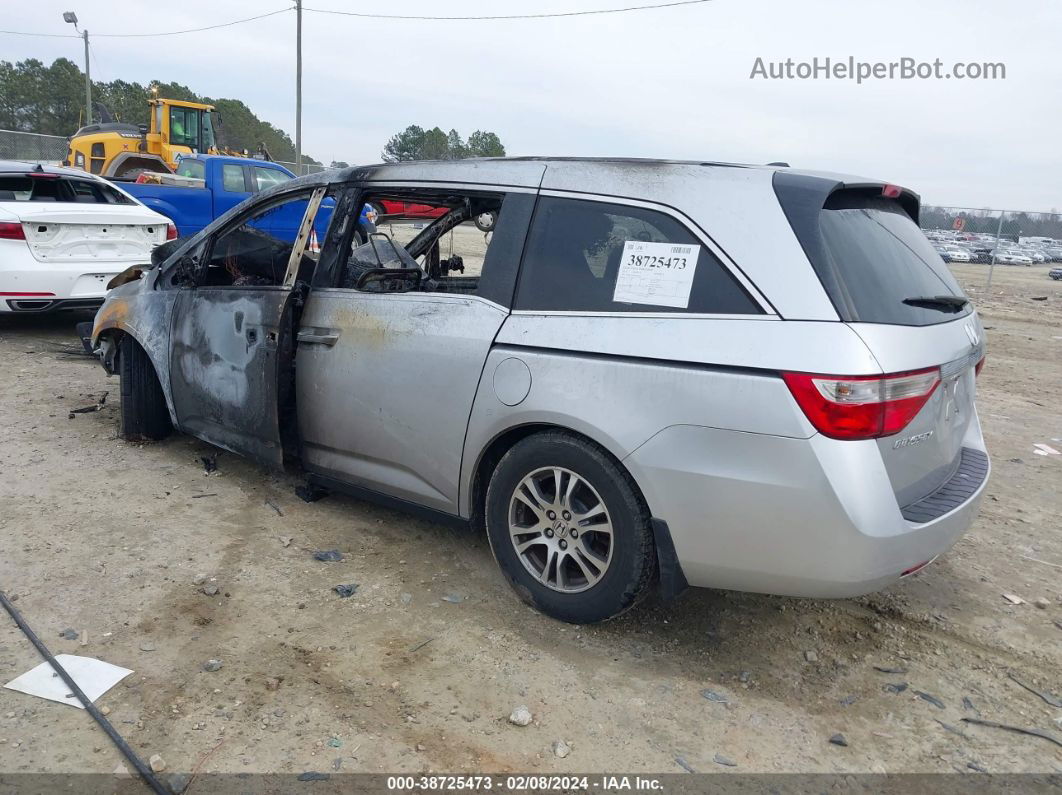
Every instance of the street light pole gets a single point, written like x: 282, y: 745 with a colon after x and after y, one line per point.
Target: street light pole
x: 298, y: 87
x: 71, y: 17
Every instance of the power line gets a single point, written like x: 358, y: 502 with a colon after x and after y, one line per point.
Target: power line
x: 365, y: 15
x: 146, y: 35
x: 192, y: 30
x: 43, y: 35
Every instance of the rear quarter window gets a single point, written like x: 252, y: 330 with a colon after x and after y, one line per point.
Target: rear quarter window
x: 575, y: 256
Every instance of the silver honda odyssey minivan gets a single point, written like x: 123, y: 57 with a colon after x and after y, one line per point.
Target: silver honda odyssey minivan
x: 628, y: 372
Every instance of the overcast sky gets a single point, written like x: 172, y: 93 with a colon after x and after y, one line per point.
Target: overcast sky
x: 670, y: 83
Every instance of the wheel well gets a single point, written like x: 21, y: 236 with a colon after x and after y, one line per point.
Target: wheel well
x: 110, y: 339
x: 501, y: 444
x: 133, y: 160
x: 672, y: 580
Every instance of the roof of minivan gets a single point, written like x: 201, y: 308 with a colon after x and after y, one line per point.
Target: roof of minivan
x: 529, y: 171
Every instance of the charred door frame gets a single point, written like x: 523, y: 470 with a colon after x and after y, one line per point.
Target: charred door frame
x: 232, y: 349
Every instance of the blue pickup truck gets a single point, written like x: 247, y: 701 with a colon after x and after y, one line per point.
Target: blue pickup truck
x: 212, y: 185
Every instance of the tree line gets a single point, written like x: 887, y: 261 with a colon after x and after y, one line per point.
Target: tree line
x: 416, y: 143
x: 51, y: 100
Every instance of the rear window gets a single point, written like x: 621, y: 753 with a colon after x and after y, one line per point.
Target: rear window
x: 874, y: 257
x: 59, y: 189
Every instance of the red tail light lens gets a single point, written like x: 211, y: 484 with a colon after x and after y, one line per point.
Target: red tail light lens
x: 171, y: 232
x: 979, y: 366
x: 9, y: 231
x: 862, y: 406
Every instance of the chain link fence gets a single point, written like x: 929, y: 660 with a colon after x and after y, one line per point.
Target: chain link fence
x: 33, y: 147
x: 994, y: 237
x: 303, y: 170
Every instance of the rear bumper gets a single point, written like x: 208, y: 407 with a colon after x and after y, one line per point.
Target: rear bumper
x: 44, y: 287
x: 801, y: 517
x: 43, y: 305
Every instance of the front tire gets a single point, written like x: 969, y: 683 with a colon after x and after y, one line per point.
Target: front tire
x: 569, y: 529
x: 143, y: 414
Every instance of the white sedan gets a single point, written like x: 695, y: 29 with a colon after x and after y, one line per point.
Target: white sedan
x: 1012, y: 258
x: 64, y: 234
x: 954, y: 254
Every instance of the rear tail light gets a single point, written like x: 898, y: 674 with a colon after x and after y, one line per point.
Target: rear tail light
x: 10, y: 231
x: 862, y: 406
x: 979, y: 366
x: 171, y: 232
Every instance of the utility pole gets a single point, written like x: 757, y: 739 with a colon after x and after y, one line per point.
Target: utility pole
x: 71, y: 18
x: 298, y: 86
x: 88, y: 83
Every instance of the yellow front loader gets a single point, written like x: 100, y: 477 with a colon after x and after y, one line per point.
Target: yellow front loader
x: 117, y: 149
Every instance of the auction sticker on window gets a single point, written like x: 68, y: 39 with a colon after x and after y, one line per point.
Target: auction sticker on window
x: 656, y: 274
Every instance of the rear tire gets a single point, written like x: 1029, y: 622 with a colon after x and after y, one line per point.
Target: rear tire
x: 143, y: 414
x: 614, y: 567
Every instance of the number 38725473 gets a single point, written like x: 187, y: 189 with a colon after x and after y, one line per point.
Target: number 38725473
x: 651, y: 261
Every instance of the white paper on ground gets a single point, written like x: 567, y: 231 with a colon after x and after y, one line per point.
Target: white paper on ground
x: 94, y: 677
x: 656, y: 274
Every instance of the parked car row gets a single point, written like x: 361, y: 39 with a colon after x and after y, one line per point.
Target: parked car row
x: 978, y: 247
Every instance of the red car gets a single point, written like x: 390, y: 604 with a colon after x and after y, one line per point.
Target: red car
x: 386, y: 209
x: 392, y: 210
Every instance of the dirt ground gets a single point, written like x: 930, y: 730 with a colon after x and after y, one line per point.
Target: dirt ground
x: 420, y: 669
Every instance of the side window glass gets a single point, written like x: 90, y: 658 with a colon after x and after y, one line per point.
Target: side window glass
x: 256, y: 251
x: 268, y: 177
x: 196, y: 169
x: 600, y: 257
x: 232, y: 179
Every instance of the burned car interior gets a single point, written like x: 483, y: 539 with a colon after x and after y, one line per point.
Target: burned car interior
x: 256, y: 253
x: 428, y: 262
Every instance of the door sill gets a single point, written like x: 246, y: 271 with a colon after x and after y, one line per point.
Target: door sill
x: 388, y: 501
